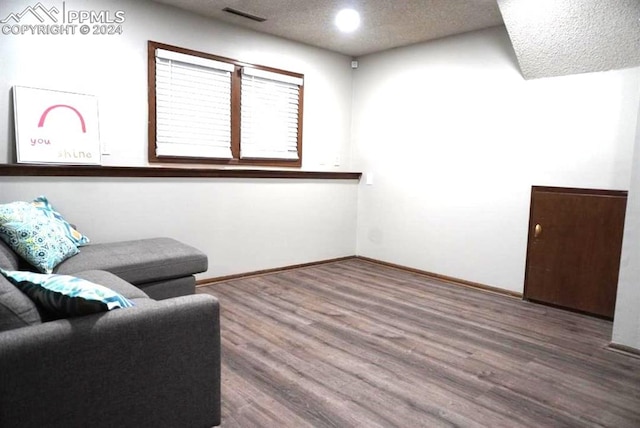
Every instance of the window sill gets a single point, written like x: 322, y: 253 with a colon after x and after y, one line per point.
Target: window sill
x: 23, y: 170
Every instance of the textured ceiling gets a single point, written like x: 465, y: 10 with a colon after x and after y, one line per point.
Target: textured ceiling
x: 550, y: 37
x: 560, y: 37
x: 385, y: 24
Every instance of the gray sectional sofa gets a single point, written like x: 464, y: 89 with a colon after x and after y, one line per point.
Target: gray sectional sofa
x: 154, y: 365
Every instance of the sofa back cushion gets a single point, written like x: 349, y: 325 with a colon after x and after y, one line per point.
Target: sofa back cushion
x: 8, y: 258
x: 16, y: 309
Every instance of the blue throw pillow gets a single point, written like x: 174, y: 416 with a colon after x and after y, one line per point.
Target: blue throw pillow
x: 66, y: 296
x: 40, y: 240
x: 43, y: 204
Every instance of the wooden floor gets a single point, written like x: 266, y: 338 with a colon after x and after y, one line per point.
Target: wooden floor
x: 355, y: 344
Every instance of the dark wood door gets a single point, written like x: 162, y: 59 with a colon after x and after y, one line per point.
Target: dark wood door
x: 573, y: 253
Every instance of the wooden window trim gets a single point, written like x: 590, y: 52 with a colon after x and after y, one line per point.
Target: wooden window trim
x: 235, y: 112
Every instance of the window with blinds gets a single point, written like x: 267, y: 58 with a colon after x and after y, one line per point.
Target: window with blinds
x: 205, y: 108
x: 269, y: 115
x: 193, y: 106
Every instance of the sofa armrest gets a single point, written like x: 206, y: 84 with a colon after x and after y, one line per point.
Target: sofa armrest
x: 154, y: 365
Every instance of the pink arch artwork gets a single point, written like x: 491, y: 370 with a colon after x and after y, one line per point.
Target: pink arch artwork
x: 46, y: 112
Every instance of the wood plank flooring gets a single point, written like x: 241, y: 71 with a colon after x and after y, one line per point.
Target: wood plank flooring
x: 355, y: 344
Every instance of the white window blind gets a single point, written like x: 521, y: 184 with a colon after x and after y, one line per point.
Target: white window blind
x: 269, y: 115
x: 193, y: 106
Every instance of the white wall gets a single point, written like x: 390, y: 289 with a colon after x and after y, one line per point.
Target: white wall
x: 242, y: 225
x: 114, y: 68
x: 626, y: 326
x: 455, y: 138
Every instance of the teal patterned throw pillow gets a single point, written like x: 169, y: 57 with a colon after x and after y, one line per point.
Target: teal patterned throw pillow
x: 43, y: 204
x: 66, y: 296
x: 40, y: 240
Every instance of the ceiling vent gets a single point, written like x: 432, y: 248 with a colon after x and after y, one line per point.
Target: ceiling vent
x: 243, y: 14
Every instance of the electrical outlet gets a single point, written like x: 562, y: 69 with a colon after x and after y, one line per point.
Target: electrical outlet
x: 336, y: 160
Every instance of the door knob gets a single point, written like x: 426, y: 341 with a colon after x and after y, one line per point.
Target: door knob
x: 537, y: 231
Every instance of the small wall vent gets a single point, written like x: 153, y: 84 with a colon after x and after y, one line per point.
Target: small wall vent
x: 244, y: 14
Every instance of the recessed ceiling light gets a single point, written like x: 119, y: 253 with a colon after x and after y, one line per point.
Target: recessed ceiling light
x: 347, y: 20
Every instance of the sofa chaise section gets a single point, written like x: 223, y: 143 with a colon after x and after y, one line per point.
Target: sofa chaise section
x: 161, y: 267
